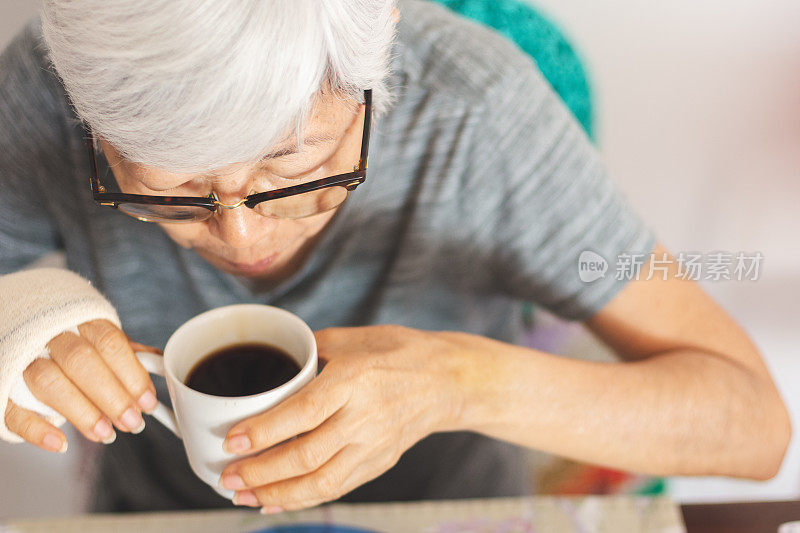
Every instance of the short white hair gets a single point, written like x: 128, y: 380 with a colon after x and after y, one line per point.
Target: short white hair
x: 190, y: 86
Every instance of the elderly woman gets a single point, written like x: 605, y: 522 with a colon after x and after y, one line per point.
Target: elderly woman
x: 227, y: 163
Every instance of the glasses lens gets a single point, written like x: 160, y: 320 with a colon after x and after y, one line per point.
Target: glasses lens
x: 166, y: 213
x: 304, y: 205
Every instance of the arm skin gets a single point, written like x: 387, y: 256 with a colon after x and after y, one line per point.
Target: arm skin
x: 691, y: 397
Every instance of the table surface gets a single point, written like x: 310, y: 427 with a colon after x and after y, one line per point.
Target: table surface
x: 541, y: 513
x: 615, y: 514
x: 755, y: 517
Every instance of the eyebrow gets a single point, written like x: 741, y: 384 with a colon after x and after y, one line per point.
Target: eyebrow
x: 312, y: 140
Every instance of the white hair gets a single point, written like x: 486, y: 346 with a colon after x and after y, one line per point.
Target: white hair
x: 190, y: 86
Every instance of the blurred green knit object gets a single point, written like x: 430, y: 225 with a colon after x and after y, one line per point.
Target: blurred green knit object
x: 542, y: 40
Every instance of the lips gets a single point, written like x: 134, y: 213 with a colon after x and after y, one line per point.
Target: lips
x: 251, y: 269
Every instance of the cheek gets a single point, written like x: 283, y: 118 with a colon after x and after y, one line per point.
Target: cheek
x: 280, y: 234
x: 285, y: 233
x: 186, y: 235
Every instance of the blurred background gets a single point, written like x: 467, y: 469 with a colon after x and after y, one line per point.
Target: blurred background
x: 698, y: 116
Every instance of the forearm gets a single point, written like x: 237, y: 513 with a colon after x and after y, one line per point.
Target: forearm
x: 39, y: 304
x: 676, y: 413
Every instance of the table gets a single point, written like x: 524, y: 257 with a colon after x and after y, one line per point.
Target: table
x: 756, y: 517
x: 541, y: 514
x: 593, y: 514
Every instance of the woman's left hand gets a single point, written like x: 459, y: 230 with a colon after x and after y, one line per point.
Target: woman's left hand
x: 383, y: 388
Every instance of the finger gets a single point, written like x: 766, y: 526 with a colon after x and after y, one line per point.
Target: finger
x: 115, y: 349
x: 328, y: 341
x: 302, y: 412
x: 34, y: 429
x: 81, y: 363
x: 139, y: 347
x: 331, y: 336
x: 324, y: 485
x: 333, y: 480
x: 48, y: 383
x: 290, y: 459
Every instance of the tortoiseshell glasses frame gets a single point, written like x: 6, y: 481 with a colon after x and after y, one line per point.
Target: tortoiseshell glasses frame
x: 196, y: 209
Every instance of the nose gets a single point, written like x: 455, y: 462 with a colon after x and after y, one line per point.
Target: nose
x: 240, y: 227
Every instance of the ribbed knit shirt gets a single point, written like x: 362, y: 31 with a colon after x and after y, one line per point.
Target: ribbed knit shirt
x: 481, y: 194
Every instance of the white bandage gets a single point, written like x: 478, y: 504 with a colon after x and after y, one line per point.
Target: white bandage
x: 38, y: 305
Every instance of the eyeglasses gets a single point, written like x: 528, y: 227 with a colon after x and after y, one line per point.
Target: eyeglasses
x: 297, y: 201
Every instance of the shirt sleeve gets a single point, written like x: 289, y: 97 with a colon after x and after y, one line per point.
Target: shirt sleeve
x: 32, y: 149
x: 550, y: 200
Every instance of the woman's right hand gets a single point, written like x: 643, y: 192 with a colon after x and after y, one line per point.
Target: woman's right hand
x: 94, y: 380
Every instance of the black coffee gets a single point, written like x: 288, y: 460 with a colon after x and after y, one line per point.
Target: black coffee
x: 242, y: 370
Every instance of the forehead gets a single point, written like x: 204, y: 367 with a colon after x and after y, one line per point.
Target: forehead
x: 325, y: 126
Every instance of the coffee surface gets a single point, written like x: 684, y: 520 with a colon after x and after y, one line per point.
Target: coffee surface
x: 242, y: 370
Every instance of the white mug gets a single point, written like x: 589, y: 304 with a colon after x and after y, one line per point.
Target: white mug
x: 202, y: 420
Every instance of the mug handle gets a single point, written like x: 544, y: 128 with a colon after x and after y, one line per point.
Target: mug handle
x: 154, y: 364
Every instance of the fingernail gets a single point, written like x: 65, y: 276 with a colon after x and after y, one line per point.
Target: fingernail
x: 138, y: 429
x: 104, y: 431
x: 233, y: 482
x: 237, y: 444
x: 271, y: 509
x: 245, y: 497
x: 54, y: 443
x: 148, y: 401
x: 132, y: 420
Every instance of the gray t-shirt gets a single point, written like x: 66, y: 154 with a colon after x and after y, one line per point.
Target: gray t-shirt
x: 482, y: 191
